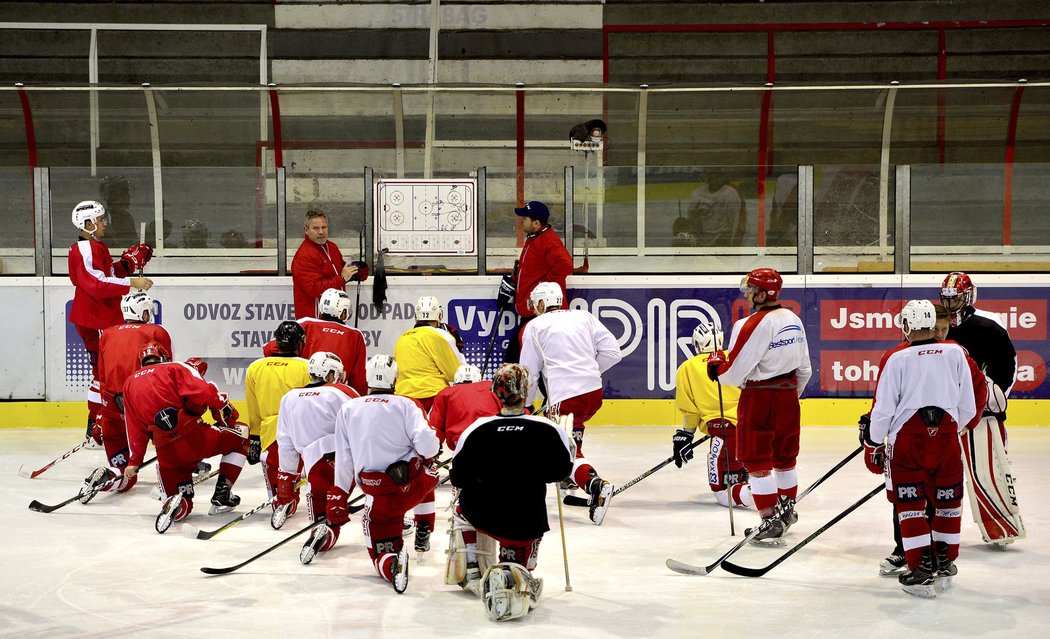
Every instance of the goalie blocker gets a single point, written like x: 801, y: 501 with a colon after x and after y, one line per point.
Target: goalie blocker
x: 990, y: 484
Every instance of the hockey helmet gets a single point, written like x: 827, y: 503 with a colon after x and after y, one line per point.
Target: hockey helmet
x: 88, y: 210
x: 547, y: 292
x: 153, y: 353
x: 707, y: 338
x: 765, y: 280
x: 334, y: 303
x: 289, y: 337
x: 511, y: 384
x: 918, y: 315
x: 322, y: 363
x: 134, y: 304
x: 428, y: 309
x: 958, y: 291
x: 467, y: 373
x: 381, y: 372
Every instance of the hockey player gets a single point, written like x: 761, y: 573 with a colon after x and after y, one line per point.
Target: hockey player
x: 330, y: 333
x: 993, y: 501
x: 769, y: 361
x: 427, y: 361
x: 458, y: 406
x: 923, y: 396
x: 306, y: 434
x: 118, y: 357
x: 98, y: 285
x: 265, y: 383
x: 512, y: 512
x: 164, y: 402
x: 713, y: 410
x: 570, y: 349
x: 384, y: 444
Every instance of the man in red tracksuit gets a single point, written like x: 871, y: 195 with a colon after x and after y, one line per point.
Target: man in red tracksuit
x: 317, y: 266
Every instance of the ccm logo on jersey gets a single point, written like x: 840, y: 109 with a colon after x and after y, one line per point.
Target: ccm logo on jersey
x: 309, y: 394
x: 934, y: 351
x: 510, y: 428
x: 325, y: 329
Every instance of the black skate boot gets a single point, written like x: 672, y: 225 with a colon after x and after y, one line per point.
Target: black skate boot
x: 472, y: 581
x: 919, y: 582
x: 601, y: 493
x: 893, y: 564
x: 95, y: 483
x: 945, y: 569
x: 786, y: 508
x: 769, y: 533
x: 422, y: 543
x: 222, y: 501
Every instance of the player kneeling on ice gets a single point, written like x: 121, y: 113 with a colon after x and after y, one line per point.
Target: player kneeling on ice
x: 306, y: 434
x: 707, y: 405
x: 510, y: 508
x: 923, y: 395
x: 164, y: 402
x: 383, y: 442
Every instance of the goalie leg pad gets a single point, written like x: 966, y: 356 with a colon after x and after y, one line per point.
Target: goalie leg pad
x: 462, y: 551
x: 990, y: 483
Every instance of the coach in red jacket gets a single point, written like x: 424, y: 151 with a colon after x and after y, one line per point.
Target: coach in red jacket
x: 317, y: 266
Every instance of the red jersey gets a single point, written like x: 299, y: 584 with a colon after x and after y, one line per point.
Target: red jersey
x: 543, y: 259
x: 118, y: 352
x: 159, y: 386
x: 98, y: 285
x: 315, y: 269
x: 346, y: 342
x: 457, y: 407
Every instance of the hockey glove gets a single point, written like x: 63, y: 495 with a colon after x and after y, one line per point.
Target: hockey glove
x: 136, y: 257
x: 198, y: 365
x: 864, y: 428
x: 96, y: 432
x: 336, y: 507
x: 287, y: 493
x: 716, y: 360
x: 226, y: 414
x: 680, y: 440
x: 254, y: 449
x: 362, y: 271
x: 505, y: 297
x: 875, y: 458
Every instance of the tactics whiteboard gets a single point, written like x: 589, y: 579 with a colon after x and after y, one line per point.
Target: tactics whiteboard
x: 426, y: 217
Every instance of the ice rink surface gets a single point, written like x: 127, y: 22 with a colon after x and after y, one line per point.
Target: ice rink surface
x: 100, y: 570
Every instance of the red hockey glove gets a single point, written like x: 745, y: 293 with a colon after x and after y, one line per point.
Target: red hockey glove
x: 335, y: 507
x: 227, y: 414
x: 136, y: 257
x: 875, y: 458
x: 716, y: 360
x: 198, y: 365
x: 362, y: 271
x: 287, y: 493
x: 96, y: 432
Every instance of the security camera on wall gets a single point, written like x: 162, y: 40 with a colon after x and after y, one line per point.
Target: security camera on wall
x: 588, y: 136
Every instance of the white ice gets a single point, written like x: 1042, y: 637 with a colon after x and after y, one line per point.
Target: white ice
x: 100, y: 570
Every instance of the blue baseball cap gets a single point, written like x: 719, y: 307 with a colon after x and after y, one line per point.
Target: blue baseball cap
x: 535, y: 210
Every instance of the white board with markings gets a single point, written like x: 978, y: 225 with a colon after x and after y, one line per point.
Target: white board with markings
x: 426, y: 217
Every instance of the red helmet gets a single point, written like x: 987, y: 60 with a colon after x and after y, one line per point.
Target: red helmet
x: 766, y: 280
x: 958, y: 291
x: 153, y: 353
x: 511, y: 384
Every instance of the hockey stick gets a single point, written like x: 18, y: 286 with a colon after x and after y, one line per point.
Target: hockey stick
x: 573, y: 500
x: 229, y: 569
x: 689, y: 569
x: 44, y: 508
x: 36, y: 473
x: 725, y: 449
x: 729, y: 566
x: 564, y: 548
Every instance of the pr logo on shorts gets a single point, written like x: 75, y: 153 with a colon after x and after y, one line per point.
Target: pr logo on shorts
x: 78, y: 363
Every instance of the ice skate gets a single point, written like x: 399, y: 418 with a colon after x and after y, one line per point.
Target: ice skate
x: 314, y: 543
x: 920, y: 581
x: 769, y: 533
x: 601, y: 496
x: 399, y: 570
x: 222, y: 501
x: 786, y: 508
x: 892, y: 565
x: 422, y: 541
x: 173, y: 510
x: 535, y: 589
x: 407, y: 527
x: 95, y: 483
x: 472, y: 582
x: 946, y: 569
x: 495, y: 593
x: 281, y: 514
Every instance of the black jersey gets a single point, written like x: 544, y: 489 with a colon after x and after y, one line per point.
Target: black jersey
x: 989, y: 345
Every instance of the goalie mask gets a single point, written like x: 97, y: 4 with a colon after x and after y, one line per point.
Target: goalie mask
x: 134, y: 304
x: 322, y: 363
x: 334, y: 303
x: 918, y: 315
x: 428, y: 309
x: 707, y: 338
x: 153, y: 353
x: 86, y: 211
x: 547, y: 292
x: 765, y: 280
x: 958, y: 292
x: 467, y: 373
x: 511, y: 384
x: 381, y: 372
x: 289, y: 337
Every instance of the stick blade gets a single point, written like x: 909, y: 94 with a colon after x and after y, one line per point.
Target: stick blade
x: 743, y: 571
x: 686, y: 569
x: 41, y: 508
x: 218, y: 571
x: 575, y: 500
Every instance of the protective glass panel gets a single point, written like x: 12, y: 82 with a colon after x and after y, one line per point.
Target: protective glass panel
x: 853, y: 219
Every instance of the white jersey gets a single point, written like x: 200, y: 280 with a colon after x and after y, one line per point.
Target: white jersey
x: 924, y: 374
x: 306, y: 424
x: 766, y: 344
x: 570, y: 349
x: 374, y: 431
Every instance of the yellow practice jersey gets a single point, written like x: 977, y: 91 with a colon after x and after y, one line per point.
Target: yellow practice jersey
x: 697, y: 395
x: 427, y: 360
x: 265, y: 383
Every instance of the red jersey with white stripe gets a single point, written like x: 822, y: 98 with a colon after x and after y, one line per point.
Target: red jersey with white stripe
x: 98, y: 285
x: 571, y: 349
x: 346, y: 342
x: 118, y: 352
x: 374, y: 431
x: 769, y: 343
x: 306, y: 424
x: 159, y: 386
x: 457, y: 407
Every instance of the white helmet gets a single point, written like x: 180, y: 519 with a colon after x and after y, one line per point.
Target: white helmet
x: 381, y: 372
x: 467, y: 373
x: 918, y: 315
x: 334, y: 302
x: 87, y: 210
x: 133, y: 304
x: 707, y: 338
x: 322, y: 363
x: 428, y: 309
x: 547, y: 292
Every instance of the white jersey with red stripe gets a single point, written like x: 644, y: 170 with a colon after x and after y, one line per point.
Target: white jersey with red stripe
x: 924, y: 374
x: 570, y: 349
x: 769, y: 343
x: 374, y: 431
x: 306, y: 424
